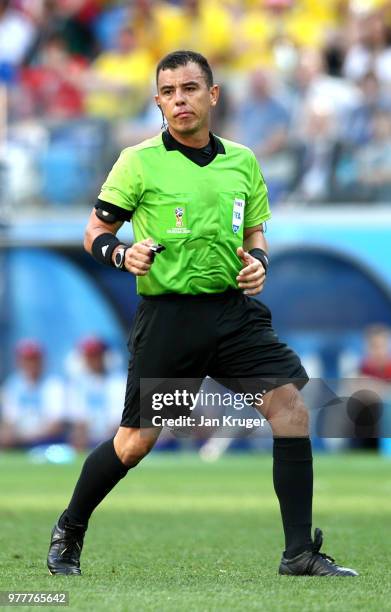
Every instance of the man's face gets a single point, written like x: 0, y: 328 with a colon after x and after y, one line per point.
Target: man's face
x: 95, y: 362
x: 32, y: 366
x: 378, y: 348
x: 185, y: 98
x: 126, y: 41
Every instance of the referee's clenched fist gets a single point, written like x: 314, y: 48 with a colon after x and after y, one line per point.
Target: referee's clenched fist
x: 251, y: 277
x: 139, y: 257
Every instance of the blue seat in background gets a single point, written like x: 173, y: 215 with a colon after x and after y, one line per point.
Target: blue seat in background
x: 65, y: 176
x: 74, y: 164
x: 56, y: 302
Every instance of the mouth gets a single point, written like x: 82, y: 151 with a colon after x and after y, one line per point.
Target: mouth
x: 183, y: 115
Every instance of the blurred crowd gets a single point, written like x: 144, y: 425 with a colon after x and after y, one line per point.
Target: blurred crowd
x: 305, y: 83
x: 83, y: 406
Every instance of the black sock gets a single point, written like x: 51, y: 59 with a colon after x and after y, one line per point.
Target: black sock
x: 101, y: 471
x: 293, y: 478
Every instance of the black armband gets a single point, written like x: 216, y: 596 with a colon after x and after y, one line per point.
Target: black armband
x: 105, y: 215
x: 261, y: 256
x: 103, y: 246
x: 110, y: 213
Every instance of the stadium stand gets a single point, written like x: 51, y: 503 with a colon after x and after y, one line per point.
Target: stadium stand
x: 328, y: 68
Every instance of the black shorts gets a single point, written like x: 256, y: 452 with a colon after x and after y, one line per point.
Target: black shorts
x: 226, y: 336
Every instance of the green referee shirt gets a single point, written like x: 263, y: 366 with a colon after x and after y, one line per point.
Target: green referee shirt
x: 197, y: 212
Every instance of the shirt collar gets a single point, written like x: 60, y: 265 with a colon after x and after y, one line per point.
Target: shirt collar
x: 196, y: 155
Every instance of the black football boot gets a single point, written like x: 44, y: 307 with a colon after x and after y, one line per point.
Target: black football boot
x: 313, y: 563
x: 65, y: 548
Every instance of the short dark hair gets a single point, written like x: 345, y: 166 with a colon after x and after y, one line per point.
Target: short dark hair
x: 173, y: 60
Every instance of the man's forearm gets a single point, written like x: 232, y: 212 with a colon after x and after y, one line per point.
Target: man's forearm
x: 255, y: 240
x: 93, y: 230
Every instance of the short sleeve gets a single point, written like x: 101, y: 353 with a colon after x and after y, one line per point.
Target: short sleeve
x: 54, y: 400
x: 124, y: 185
x: 9, y: 412
x: 257, y: 207
x: 76, y: 406
x: 116, y: 393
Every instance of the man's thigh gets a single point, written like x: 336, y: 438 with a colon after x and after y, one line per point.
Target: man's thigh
x: 250, y: 356
x: 170, y: 349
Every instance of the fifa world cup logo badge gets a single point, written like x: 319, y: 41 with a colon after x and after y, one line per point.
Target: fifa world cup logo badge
x: 179, y: 212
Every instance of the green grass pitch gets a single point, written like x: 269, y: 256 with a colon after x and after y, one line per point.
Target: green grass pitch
x: 181, y: 535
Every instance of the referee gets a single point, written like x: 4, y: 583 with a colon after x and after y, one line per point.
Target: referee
x: 202, y: 198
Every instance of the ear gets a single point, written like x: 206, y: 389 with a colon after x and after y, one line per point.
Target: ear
x: 157, y: 101
x: 214, y: 94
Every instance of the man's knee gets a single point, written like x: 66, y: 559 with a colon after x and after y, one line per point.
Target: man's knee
x: 132, y: 445
x: 299, y: 415
x: 286, y: 411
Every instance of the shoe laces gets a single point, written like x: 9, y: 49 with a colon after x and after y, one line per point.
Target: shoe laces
x: 72, y: 540
x: 318, y: 541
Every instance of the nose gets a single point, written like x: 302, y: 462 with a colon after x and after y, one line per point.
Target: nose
x: 179, y: 98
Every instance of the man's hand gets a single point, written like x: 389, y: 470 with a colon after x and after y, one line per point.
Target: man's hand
x: 138, y: 258
x: 252, y: 277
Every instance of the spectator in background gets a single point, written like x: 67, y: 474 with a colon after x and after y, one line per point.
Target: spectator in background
x: 16, y: 36
x: 262, y: 120
x: 119, y: 81
x: 72, y: 20
x: 33, y: 410
x: 311, y: 83
x: 261, y: 28
x: 377, y: 360
x: 368, y: 411
x: 110, y: 21
x: 374, y: 160
x: 52, y: 87
x: 205, y: 25
x: 251, y: 44
x: 262, y: 123
x: 154, y: 24
x: 357, y: 141
x: 95, y: 397
x: 149, y: 20
x: 358, y: 128
x: 131, y: 130
x: 75, y: 19
x: 308, y: 22
x: 316, y: 147
x: 370, y: 49
x: 51, y: 62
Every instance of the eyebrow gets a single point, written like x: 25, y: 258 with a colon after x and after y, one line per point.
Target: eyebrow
x: 182, y: 85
